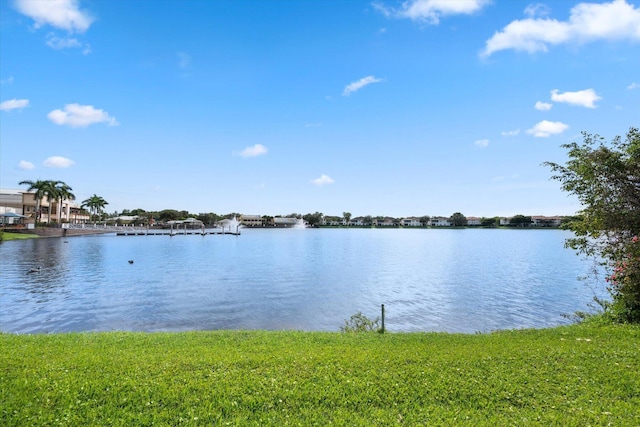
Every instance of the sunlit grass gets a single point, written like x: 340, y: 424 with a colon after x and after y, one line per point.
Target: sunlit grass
x: 571, y: 376
x: 6, y: 236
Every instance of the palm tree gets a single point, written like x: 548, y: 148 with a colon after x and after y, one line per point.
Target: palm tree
x: 347, y: 217
x: 42, y: 189
x: 95, y: 204
x: 63, y: 192
x: 50, y: 193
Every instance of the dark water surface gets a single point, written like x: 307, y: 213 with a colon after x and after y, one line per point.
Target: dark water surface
x: 429, y: 280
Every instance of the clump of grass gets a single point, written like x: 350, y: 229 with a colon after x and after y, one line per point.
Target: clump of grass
x: 360, y: 323
x: 585, y: 374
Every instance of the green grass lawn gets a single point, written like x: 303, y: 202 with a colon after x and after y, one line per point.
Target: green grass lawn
x: 579, y: 375
x: 6, y: 236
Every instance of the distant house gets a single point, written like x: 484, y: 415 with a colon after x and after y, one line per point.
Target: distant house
x: 474, y: 221
x: 334, y: 221
x: 385, y: 222
x: 440, y: 221
x: 251, y: 220
x: 411, y: 221
x: 546, y: 221
x: 357, y: 222
x: 285, y: 222
x: 24, y: 203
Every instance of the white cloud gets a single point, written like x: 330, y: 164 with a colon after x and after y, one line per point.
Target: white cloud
x: 545, y: 129
x: 77, y: 116
x: 24, y: 165
x: 322, y: 180
x: 253, y: 151
x: 8, y: 80
x: 430, y: 11
x: 616, y: 20
x: 537, y: 9
x: 543, y: 106
x: 13, y: 104
x: 62, y: 14
x: 356, y: 86
x: 58, y: 162
x: 55, y: 42
x: 633, y: 85
x: 482, y: 142
x: 583, y: 98
x: 514, y: 132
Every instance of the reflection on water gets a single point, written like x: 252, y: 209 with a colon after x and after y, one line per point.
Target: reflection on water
x: 429, y: 280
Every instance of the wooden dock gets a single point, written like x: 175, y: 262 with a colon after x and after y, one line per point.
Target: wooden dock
x: 174, y: 233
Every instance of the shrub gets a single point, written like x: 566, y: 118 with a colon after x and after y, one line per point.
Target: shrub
x: 361, y: 323
x: 606, y: 179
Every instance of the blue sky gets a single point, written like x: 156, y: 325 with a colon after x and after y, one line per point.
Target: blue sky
x: 420, y: 107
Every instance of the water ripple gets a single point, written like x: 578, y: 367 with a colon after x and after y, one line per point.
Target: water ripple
x: 429, y: 280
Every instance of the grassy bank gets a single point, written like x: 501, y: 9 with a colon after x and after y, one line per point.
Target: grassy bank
x: 570, y: 376
x: 6, y: 236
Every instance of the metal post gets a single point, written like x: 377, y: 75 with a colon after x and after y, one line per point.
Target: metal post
x: 382, y: 319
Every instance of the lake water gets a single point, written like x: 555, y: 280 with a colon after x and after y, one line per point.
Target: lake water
x: 464, y: 280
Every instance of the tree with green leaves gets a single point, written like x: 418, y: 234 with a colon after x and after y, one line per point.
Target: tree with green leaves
x: 44, y: 189
x: 62, y: 192
x: 168, y: 215
x: 605, y: 177
x: 95, y: 204
x: 347, y: 217
x: 40, y: 188
x: 424, y: 220
x: 313, y: 219
x: 458, y: 220
x: 520, y: 221
x: 489, y: 222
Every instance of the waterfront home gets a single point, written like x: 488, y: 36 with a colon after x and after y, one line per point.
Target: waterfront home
x: 546, y: 221
x: 24, y: 203
x: 357, y: 222
x: 285, y: 222
x: 334, y: 221
x: 387, y: 221
x: 251, y: 220
x: 440, y: 221
x: 412, y: 221
x: 474, y: 221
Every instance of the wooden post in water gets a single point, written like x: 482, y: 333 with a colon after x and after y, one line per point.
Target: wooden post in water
x: 382, y: 319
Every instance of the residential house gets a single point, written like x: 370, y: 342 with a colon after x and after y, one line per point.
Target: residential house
x: 24, y: 203
x: 334, y: 221
x: 357, y: 222
x: 251, y: 220
x: 546, y: 221
x: 474, y: 221
x: 412, y: 221
x: 387, y: 221
x: 440, y: 221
